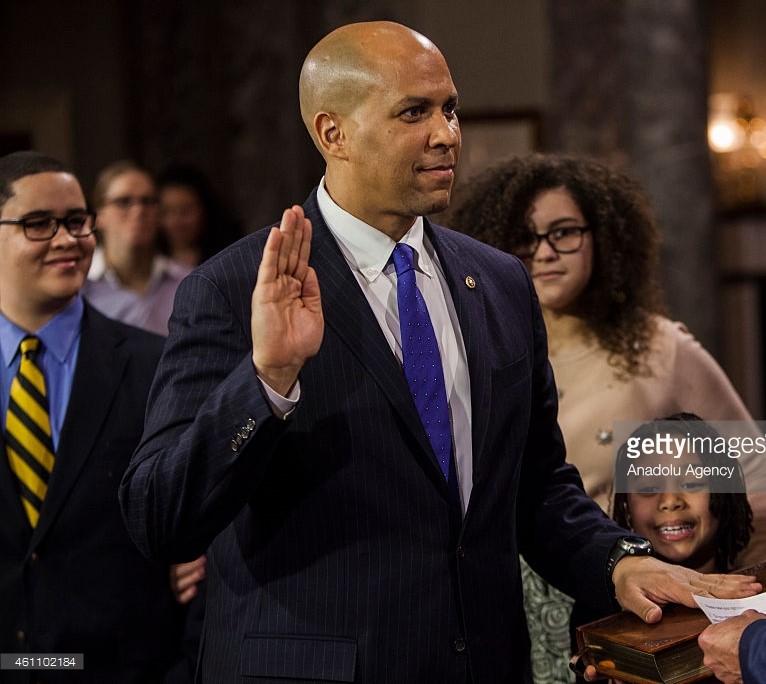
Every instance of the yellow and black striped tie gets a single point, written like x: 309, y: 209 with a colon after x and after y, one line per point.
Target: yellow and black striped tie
x: 28, y: 430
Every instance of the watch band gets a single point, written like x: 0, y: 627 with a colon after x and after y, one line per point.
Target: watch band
x: 627, y: 546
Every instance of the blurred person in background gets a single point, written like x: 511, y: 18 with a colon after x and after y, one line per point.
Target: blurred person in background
x: 194, y: 224
x: 130, y: 280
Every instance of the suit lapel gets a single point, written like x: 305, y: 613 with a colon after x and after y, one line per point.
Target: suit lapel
x: 460, y: 270
x: 347, y: 311
x: 96, y: 380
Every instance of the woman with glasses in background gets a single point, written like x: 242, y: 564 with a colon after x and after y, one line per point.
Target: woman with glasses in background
x: 590, y: 242
x: 129, y: 279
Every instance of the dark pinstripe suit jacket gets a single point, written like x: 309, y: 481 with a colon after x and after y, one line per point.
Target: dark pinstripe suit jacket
x: 337, y: 552
x: 77, y: 583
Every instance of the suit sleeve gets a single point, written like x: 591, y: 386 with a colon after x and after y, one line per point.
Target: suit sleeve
x: 752, y: 653
x: 564, y: 535
x: 209, y: 432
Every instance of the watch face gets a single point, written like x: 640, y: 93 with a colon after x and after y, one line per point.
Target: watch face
x: 635, y: 543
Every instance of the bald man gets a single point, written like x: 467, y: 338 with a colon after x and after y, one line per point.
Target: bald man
x: 360, y: 531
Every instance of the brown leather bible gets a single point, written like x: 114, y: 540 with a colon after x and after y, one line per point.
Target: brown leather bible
x: 623, y: 646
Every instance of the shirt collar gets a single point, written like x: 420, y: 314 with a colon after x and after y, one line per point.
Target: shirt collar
x: 162, y: 267
x: 57, y: 335
x: 367, y: 249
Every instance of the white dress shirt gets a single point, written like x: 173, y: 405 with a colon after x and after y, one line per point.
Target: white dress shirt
x: 368, y: 254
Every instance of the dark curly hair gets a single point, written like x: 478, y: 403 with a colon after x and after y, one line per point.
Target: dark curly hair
x: 623, y: 292
x: 728, y: 501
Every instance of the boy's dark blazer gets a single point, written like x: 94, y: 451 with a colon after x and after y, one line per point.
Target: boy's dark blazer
x: 77, y: 583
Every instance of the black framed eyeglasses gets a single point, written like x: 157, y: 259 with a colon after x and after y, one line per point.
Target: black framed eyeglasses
x: 79, y: 224
x: 564, y: 240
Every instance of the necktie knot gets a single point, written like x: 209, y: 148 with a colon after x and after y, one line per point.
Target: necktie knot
x: 29, y: 346
x: 404, y: 259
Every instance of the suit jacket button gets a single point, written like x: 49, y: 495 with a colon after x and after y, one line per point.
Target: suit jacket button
x: 234, y: 445
x: 21, y: 637
x: 250, y: 424
x: 460, y: 552
x: 34, y: 558
x: 458, y: 645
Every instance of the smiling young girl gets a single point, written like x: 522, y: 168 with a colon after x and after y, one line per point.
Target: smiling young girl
x: 692, y: 518
x: 700, y: 522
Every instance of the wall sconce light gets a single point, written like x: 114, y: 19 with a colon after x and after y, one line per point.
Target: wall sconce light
x: 737, y: 138
x: 726, y: 130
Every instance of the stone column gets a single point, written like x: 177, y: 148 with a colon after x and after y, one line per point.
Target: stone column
x: 630, y: 86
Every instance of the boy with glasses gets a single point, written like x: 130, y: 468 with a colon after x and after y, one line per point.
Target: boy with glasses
x: 75, y: 593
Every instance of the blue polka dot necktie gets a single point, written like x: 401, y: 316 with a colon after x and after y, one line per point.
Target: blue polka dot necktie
x: 422, y: 362
x: 29, y: 446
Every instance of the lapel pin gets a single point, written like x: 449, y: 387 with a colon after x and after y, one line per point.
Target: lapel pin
x: 470, y: 282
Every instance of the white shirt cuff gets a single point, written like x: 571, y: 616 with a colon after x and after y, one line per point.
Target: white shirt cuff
x: 282, y: 406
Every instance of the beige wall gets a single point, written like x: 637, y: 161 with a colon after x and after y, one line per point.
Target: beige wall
x: 497, y: 49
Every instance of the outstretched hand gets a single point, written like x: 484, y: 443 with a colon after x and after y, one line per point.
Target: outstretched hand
x: 720, y: 644
x: 643, y: 584
x: 286, y: 321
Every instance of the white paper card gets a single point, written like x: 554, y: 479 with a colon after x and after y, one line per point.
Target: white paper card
x: 719, y: 609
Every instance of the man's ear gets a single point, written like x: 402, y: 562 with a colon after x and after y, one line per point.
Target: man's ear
x: 330, y: 136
